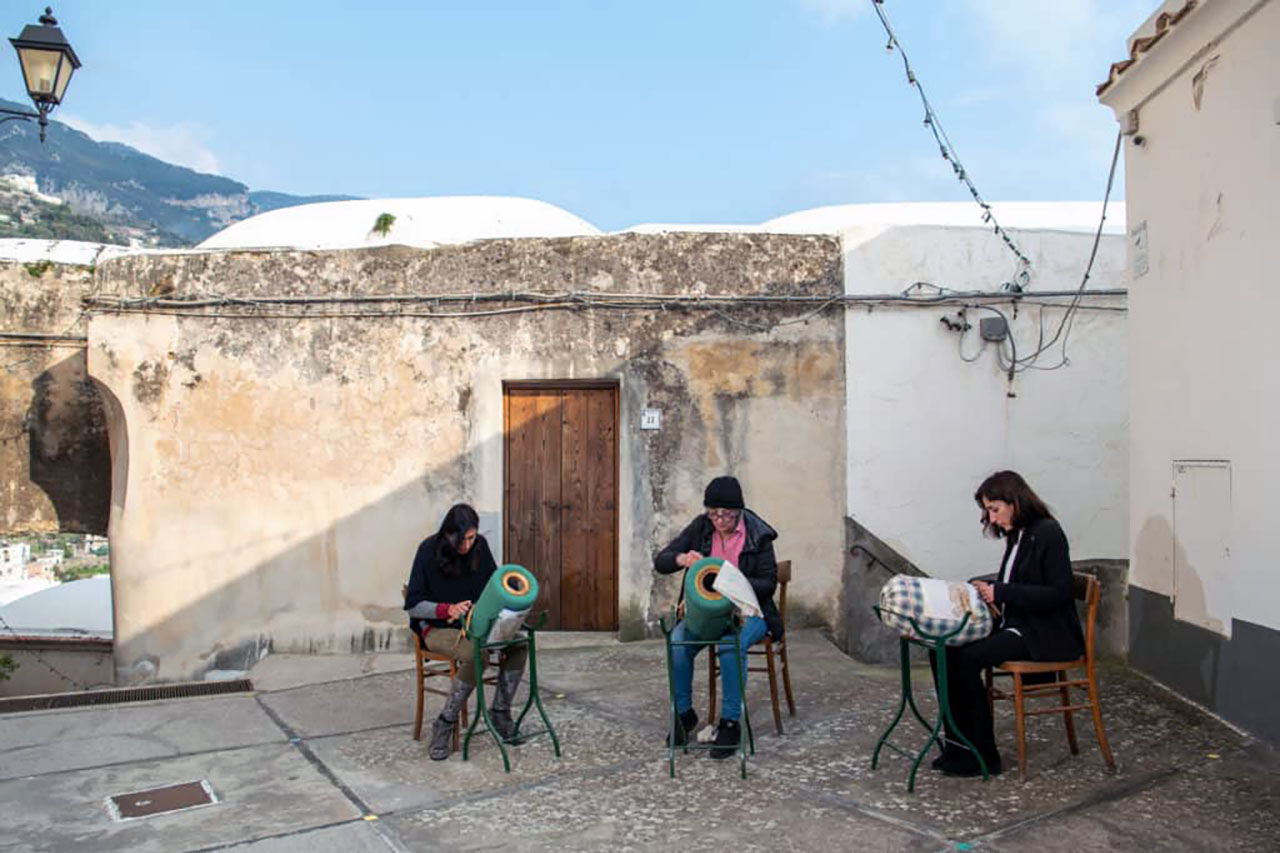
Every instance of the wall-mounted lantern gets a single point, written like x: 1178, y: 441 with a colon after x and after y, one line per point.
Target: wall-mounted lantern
x: 47, y: 62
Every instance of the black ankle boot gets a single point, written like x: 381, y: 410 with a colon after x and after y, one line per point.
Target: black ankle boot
x: 727, y: 736
x: 685, y: 730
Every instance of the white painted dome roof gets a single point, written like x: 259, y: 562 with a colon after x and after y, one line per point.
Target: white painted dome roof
x: 77, y: 608
x: 422, y: 222
x: 1038, y: 215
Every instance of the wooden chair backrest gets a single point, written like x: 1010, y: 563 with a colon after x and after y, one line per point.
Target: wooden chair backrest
x: 1088, y: 589
x: 784, y: 578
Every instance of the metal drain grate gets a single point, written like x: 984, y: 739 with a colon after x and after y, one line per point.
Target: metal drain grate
x: 117, y: 695
x: 170, y: 798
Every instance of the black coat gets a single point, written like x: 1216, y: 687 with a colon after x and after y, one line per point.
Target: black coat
x: 757, y: 562
x: 1039, y: 600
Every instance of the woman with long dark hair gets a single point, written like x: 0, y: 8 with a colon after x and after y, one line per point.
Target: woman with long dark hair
x: 449, y: 572
x: 1036, y: 613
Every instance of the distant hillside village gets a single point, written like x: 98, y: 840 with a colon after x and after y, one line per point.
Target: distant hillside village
x: 49, y: 558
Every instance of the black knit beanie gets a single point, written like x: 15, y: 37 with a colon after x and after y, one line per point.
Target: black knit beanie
x: 723, y: 493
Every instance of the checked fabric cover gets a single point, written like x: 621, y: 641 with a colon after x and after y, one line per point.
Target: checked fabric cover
x: 938, y: 606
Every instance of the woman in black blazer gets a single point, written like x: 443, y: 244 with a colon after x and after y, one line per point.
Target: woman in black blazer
x: 1036, y: 613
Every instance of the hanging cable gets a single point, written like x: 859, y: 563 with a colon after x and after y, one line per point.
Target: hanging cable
x: 948, y: 150
x: 1068, y: 318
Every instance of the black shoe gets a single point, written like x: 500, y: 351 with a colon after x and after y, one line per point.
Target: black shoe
x: 964, y: 765
x: 949, y: 753
x: 688, y: 722
x: 727, y: 736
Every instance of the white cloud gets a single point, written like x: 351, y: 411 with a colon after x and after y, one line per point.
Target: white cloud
x: 182, y: 143
x: 834, y: 11
x: 1057, y: 45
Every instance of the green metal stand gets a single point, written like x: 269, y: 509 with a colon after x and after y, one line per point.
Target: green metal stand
x: 937, y: 644
x: 534, y: 698
x: 746, y: 745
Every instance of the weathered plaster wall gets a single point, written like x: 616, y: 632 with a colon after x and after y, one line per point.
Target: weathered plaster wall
x: 1202, y: 187
x: 53, y: 442
x: 280, y: 472
x: 1200, y: 176
x: 925, y: 426
x: 80, y: 664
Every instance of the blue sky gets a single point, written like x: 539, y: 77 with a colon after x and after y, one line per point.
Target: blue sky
x: 661, y: 111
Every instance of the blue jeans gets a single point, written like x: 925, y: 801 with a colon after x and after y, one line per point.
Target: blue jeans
x: 753, y: 631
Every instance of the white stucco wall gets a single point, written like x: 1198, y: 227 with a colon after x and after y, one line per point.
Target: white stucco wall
x: 925, y: 427
x: 1204, y: 184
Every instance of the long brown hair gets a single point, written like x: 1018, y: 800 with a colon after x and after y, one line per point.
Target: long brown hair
x: 1008, y: 486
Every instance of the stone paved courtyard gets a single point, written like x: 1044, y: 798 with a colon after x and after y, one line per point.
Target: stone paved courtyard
x: 321, y: 759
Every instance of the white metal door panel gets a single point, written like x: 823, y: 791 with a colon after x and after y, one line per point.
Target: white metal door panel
x: 1201, y: 543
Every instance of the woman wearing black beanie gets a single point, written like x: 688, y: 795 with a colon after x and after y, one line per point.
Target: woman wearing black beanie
x: 729, y: 530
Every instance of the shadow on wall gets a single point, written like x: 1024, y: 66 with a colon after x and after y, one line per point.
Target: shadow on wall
x: 335, y: 591
x: 70, y: 457
x: 1182, y: 655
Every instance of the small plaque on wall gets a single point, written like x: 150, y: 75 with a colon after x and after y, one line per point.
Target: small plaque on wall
x: 651, y: 419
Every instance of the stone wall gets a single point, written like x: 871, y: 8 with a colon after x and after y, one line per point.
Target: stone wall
x: 277, y: 465
x: 53, y: 442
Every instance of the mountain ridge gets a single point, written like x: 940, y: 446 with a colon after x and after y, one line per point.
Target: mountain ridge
x: 138, y: 198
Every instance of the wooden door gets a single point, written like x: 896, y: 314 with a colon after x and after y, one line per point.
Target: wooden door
x: 561, y: 498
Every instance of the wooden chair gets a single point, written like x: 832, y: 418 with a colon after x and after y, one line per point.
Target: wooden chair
x: 429, y: 665
x: 772, y: 650
x: 1089, y: 590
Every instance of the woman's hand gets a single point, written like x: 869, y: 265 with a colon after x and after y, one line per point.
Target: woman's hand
x: 986, y: 591
x: 687, y: 559
x: 457, y: 611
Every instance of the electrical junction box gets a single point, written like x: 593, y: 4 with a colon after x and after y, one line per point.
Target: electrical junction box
x: 993, y: 328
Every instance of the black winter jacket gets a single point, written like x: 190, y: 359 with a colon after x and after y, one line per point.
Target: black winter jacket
x: 428, y: 583
x: 757, y: 561
x: 1038, y: 600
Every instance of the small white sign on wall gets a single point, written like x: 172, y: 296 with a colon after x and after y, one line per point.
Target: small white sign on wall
x: 651, y: 419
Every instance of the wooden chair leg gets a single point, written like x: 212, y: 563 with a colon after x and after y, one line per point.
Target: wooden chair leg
x: 417, y: 718
x: 713, y: 673
x: 1021, y: 718
x: 786, y: 680
x: 773, y: 685
x: 462, y: 712
x: 1096, y: 707
x: 1066, y: 715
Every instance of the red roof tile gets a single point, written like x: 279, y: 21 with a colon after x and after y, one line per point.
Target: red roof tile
x: 1164, y: 22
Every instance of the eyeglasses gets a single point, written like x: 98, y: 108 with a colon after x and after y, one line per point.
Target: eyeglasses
x: 725, y: 514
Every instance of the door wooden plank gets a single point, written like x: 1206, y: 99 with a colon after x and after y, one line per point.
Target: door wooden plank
x: 545, y: 475
x: 576, y: 602
x: 520, y: 411
x: 603, y: 450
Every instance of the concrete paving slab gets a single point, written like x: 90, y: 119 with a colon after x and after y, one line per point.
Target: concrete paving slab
x: 1222, y: 804
x: 1185, y: 780
x: 263, y: 791
x: 283, y: 672
x: 390, y: 771
x: 357, y: 837
x: 706, y: 808
x: 1148, y: 734
x: 50, y: 741
x: 334, y: 707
